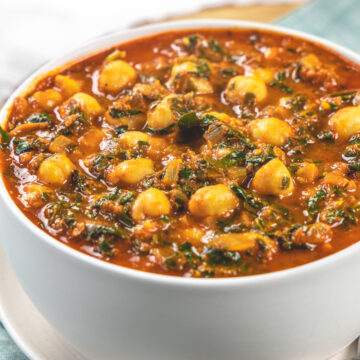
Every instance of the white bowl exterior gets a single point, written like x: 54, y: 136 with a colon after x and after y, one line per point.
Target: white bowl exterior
x: 109, y: 312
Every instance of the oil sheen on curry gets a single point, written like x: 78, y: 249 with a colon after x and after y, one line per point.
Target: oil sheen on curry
x: 206, y: 153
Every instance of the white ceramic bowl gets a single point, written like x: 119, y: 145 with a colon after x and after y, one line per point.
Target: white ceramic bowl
x: 110, y: 312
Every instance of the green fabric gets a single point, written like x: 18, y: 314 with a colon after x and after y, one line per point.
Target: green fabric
x: 9, y: 350
x: 337, y: 20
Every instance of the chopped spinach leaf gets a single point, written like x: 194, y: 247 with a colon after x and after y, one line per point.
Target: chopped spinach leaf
x: 236, y: 157
x: 285, y: 182
x: 202, y: 69
x: 326, y: 136
x: 344, y: 94
x: 106, y: 247
x: 164, y: 131
x: 23, y: 146
x: 116, y: 113
x: 214, y: 45
x: 119, y: 130
x: 95, y: 231
x: 102, y: 162
x: 228, y: 72
x: 226, y: 258
x: 126, y: 198
x: 38, y: 118
x: 5, y: 137
x: 188, y: 120
x: 279, y: 82
x: 314, y: 201
x: 186, y: 173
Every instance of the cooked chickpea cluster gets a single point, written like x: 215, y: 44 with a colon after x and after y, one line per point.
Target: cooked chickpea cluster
x: 217, y: 154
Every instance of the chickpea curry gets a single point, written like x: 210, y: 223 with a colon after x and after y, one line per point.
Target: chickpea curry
x: 206, y: 153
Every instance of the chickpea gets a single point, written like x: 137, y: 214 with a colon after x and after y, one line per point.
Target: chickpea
x: 310, y: 62
x: 115, y: 76
x: 60, y: 144
x: 87, y: 104
x: 67, y: 86
x: 33, y: 195
x: 150, y: 203
x: 90, y: 141
x: 337, y: 178
x: 265, y: 74
x: 153, y: 91
x: 213, y: 200
x: 239, y: 86
x: 47, y: 99
x: 130, y: 171
x: 161, y: 116
x: 307, y: 174
x: 245, y: 242
x: 200, y: 85
x: 132, y: 121
x: 196, y: 83
x: 181, y: 68
x: 270, y: 131
x: 273, y: 178
x: 236, y: 242
x: 131, y: 139
x: 193, y: 235
x: 56, y: 170
x: 346, y: 122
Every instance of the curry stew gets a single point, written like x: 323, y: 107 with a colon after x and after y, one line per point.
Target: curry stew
x: 207, y: 153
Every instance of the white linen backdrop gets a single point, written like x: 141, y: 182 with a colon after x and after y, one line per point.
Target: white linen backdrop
x: 34, y: 31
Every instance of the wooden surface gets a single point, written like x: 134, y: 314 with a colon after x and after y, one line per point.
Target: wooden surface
x: 263, y: 13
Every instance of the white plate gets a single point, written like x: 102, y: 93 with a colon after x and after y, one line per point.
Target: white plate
x: 35, y: 336
x: 31, y: 332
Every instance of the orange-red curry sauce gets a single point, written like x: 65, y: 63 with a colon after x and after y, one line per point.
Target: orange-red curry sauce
x: 193, y: 153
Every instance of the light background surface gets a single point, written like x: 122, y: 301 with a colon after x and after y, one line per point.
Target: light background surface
x: 34, y: 31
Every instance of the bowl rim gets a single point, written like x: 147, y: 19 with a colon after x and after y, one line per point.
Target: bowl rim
x: 110, y: 39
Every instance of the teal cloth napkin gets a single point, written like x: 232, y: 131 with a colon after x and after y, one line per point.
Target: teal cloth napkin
x: 9, y: 350
x: 337, y: 20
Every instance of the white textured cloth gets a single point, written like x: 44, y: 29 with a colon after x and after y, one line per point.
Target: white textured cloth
x: 33, y: 31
